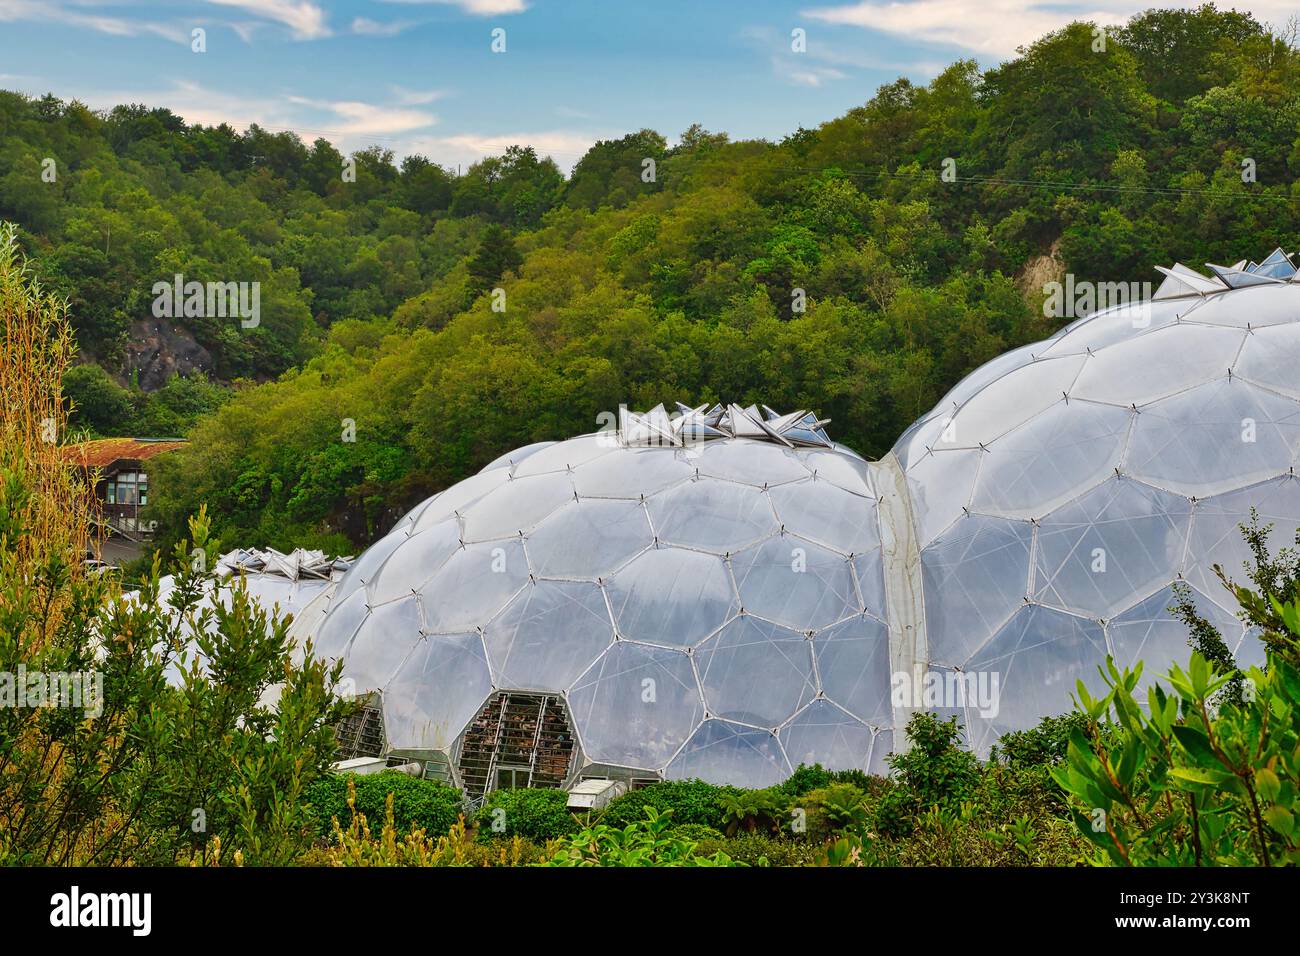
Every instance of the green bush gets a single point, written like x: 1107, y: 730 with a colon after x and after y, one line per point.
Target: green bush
x: 691, y: 801
x: 696, y: 831
x: 428, y: 804
x: 649, y: 842
x: 756, y: 848
x: 538, y: 815
x: 805, y: 779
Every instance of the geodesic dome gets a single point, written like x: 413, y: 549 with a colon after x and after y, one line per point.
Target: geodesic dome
x: 1059, y: 492
x: 727, y: 593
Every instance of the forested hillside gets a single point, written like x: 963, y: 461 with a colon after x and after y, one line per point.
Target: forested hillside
x: 835, y: 270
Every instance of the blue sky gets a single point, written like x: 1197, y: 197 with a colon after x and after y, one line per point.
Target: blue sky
x: 420, y: 75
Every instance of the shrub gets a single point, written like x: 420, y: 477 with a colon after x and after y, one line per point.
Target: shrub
x: 691, y: 801
x: 1042, y: 745
x: 695, y: 831
x: 430, y: 805
x: 650, y: 842
x: 754, y: 810
x: 936, y: 771
x: 806, y: 779
x: 761, y: 849
x: 533, y: 814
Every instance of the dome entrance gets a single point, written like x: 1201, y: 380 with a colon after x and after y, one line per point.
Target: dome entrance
x: 516, y: 740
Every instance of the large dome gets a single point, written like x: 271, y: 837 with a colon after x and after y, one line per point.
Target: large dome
x: 699, y: 608
x: 1059, y: 492
x: 727, y: 594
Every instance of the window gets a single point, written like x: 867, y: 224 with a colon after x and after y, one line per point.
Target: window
x: 516, y: 740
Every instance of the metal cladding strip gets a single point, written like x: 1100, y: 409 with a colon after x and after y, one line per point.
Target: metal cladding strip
x: 909, y: 649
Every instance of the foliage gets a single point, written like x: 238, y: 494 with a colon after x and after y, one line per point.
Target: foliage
x: 430, y: 805
x: 936, y: 771
x: 1188, y: 784
x: 533, y: 814
x: 806, y: 779
x: 650, y: 842
x: 753, y: 810
x: 690, y: 801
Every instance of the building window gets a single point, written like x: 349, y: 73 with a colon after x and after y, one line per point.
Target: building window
x: 516, y: 740
x: 128, y: 488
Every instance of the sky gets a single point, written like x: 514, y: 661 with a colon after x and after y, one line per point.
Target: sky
x: 421, y: 76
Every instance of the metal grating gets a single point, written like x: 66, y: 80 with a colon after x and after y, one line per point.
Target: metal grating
x: 516, y: 740
x: 362, y: 733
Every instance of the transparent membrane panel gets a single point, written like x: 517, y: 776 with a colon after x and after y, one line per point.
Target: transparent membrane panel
x: 1214, y: 438
x: 823, y: 733
x: 1109, y: 328
x: 1050, y: 459
x: 340, y: 624
x: 1013, y: 399
x: 1150, y: 632
x: 1118, y: 542
x: 721, y: 752
x: 821, y: 512
x: 589, y: 538
x: 672, y: 596
x: 1217, y: 536
x: 940, y: 485
x: 548, y: 635
x: 1269, y: 358
x: 636, y: 705
x: 750, y: 462
x: 853, y: 667
x: 1033, y: 661
x: 1171, y: 360
x: 458, y: 497
x: 631, y: 473
x: 839, y: 468
x: 474, y: 584
x: 382, y: 643
x: 440, y: 686
x: 517, y: 506
x: 415, y: 561
x: 755, y: 672
x: 712, y: 515
x: 565, y: 455
x: 975, y: 576
x: 795, y: 583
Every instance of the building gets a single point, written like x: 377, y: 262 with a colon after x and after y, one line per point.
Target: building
x: 121, y: 486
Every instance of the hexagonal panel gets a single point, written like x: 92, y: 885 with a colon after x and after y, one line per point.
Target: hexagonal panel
x: 548, y: 636
x: 516, y: 506
x: 565, y: 455
x: 439, y: 687
x: 382, y: 643
x: 1036, y: 657
x: 411, y: 565
x: 1171, y: 360
x: 474, y: 584
x: 712, y: 515
x: 822, y: 512
x: 1269, y: 358
x: 974, y: 577
x: 755, y: 672
x: 589, y: 538
x: 672, y: 596
x: 1215, y: 438
x: 636, y: 705
x: 1051, y: 459
x: 853, y: 666
x: 1216, y: 536
x: 631, y: 473
x: 749, y: 462
x: 1148, y: 632
x: 1119, y: 541
x: 795, y: 583
x: 823, y: 733
x: 720, y: 752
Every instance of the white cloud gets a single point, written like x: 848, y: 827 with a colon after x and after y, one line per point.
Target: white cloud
x: 42, y: 11
x: 306, y: 20
x: 478, y: 8
x: 364, y: 26
x: 995, y: 27
x: 354, y: 118
x: 416, y: 97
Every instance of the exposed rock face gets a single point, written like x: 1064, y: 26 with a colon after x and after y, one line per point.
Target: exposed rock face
x: 157, y: 349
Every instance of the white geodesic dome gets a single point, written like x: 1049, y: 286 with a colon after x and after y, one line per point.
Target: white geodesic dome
x: 728, y: 594
x: 1059, y: 492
